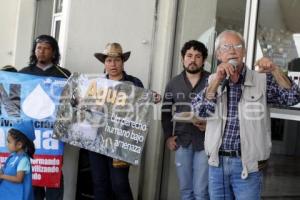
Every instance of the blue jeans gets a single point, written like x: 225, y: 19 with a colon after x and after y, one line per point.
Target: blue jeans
x: 226, y: 180
x: 192, y: 172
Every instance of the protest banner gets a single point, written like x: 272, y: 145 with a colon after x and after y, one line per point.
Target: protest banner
x: 104, y: 116
x: 25, y: 96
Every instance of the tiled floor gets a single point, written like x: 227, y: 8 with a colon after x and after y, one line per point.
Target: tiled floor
x: 282, y: 178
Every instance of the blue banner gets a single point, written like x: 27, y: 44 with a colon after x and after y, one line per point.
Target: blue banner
x: 32, y: 97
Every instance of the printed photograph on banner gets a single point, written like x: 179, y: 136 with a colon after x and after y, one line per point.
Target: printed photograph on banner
x: 29, y: 97
x: 104, y: 116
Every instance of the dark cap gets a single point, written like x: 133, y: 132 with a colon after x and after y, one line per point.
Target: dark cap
x: 48, y: 39
x: 9, y: 68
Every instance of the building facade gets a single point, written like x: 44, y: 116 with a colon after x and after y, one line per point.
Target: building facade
x: 154, y: 31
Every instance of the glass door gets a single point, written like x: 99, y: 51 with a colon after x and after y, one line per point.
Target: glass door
x: 202, y: 20
x: 278, y: 37
x: 270, y: 28
x: 198, y: 20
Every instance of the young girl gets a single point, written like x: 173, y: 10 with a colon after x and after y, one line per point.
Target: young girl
x: 16, y: 176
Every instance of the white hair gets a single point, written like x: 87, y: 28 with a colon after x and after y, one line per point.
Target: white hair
x: 220, y: 37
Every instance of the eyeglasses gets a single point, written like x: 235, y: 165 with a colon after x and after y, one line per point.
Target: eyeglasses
x: 227, y: 47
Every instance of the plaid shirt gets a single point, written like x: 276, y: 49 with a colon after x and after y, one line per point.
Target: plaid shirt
x: 231, y: 137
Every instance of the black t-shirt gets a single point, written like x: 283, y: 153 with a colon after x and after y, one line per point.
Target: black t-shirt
x: 54, y: 71
x: 128, y: 78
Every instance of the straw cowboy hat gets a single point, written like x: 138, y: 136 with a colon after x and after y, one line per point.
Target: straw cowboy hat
x: 112, y: 50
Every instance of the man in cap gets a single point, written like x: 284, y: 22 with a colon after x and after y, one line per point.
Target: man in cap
x: 110, y: 176
x: 44, y: 61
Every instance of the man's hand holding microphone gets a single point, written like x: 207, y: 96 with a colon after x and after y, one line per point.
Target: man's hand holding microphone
x: 225, y: 71
x: 231, y: 71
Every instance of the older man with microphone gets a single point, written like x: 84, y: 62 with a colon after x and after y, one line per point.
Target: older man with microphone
x: 238, y: 134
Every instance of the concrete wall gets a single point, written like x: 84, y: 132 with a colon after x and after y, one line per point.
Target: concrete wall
x: 7, y: 39
x: 16, y: 22
x: 194, y: 18
x: 25, y: 29
x: 162, y: 55
x: 100, y: 22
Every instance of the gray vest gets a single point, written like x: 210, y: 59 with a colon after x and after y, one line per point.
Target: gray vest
x: 254, y: 119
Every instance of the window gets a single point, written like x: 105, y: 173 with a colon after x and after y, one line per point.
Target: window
x: 57, y: 18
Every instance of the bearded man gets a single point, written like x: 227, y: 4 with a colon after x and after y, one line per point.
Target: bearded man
x: 187, y: 138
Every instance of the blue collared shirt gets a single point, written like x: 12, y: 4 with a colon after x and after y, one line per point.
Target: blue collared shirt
x: 231, y: 137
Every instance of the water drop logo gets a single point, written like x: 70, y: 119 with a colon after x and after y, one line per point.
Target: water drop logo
x: 38, y: 104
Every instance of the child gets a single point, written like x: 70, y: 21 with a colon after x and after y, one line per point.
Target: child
x: 16, y: 176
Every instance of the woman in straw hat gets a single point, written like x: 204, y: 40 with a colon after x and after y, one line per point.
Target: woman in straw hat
x: 110, y: 176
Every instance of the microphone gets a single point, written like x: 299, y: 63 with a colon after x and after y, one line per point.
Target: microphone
x: 234, y: 64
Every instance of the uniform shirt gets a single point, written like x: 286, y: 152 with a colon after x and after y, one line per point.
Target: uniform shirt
x: 24, y: 165
x: 17, y: 191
